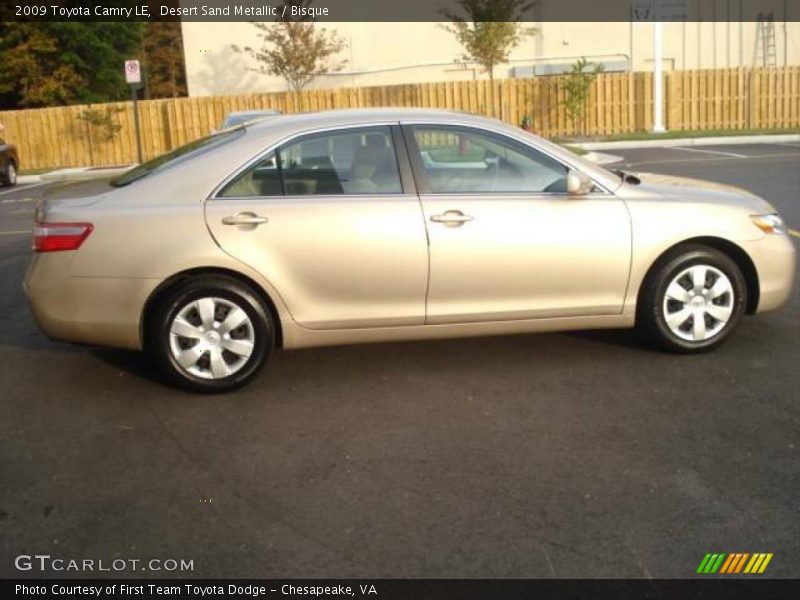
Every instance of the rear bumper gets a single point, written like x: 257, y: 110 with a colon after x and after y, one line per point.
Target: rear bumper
x: 87, y: 310
x: 774, y: 257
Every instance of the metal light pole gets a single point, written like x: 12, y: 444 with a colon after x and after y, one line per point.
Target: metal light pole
x: 658, y: 76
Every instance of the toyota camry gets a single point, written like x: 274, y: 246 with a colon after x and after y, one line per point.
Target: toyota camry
x: 391, y: 224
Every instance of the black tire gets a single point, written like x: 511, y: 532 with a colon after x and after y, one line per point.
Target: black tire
x: 8, y: 177
x: 159, y: 342
x: 651, y: 320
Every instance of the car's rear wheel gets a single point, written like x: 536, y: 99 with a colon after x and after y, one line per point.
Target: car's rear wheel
x: 10, y: 174
x: 693, y: 300
x: 210, y: 334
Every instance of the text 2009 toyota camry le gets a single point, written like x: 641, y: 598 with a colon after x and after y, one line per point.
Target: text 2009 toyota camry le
x: 377, y: 225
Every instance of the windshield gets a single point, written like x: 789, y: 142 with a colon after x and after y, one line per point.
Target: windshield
x: 178, y: 155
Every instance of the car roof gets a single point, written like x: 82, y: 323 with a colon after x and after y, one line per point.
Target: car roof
x: 354, y: 116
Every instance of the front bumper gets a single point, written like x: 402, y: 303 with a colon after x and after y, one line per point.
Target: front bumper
x: 774, y: 257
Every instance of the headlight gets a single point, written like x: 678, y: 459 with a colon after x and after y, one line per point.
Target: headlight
x: 769, y: 223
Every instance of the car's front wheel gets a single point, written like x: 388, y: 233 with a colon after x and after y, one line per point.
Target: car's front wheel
x: 210, y: 334
x: 693, y: 300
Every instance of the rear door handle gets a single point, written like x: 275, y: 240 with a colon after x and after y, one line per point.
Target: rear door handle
x: 244, y: 218
x: 452, y: 218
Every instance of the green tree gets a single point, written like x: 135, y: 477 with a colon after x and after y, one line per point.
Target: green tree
x: 49, y: 64
x: 99, y: 124
x: 295, y: 50
x: 490, y: 30
x: 576, y: 91
x: 162, y: 59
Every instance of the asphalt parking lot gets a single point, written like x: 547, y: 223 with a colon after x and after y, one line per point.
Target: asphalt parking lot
x: 559, y: 455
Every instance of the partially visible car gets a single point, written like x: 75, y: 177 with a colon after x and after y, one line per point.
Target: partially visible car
x: 9, y: 164
x: 246, y: 116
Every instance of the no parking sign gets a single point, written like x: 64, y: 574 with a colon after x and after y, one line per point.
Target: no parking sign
x: 133, y: 76
x: 133, y: 73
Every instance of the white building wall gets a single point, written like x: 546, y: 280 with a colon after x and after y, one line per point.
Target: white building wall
x: 395, y: 53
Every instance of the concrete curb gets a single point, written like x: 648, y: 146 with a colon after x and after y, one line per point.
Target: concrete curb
x: 72, y: 174
x: 602, y: 159
x: 729, y: 140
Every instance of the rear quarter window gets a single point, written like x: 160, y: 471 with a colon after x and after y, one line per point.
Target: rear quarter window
x: 179, y: 155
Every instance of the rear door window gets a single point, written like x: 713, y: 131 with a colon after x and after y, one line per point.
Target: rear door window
x: 344, y: 162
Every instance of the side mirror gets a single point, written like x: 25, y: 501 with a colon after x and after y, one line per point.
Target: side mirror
x: 578, y: 184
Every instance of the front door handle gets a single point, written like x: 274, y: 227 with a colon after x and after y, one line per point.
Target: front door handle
x: 244, y: 218
x: 451, y: 218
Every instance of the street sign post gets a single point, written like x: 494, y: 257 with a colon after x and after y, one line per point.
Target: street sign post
x: 133, y: 76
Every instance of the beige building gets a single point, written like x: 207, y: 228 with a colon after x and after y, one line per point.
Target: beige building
x: 396, y: 53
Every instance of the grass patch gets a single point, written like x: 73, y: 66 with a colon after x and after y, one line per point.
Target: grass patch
x: 667, y: 135
x: 36, y: 171
x: 574, y: 149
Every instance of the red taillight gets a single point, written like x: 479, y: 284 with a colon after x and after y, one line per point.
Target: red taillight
x: 54, y: 237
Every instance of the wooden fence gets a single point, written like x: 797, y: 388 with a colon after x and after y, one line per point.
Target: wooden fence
x: 618, y: 103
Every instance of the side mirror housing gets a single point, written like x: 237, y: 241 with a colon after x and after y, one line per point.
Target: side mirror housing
x: 578, y: 184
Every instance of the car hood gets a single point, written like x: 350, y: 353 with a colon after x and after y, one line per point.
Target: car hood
x: 698, y: 190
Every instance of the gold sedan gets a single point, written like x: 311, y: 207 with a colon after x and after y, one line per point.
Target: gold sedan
x: 381, y: 225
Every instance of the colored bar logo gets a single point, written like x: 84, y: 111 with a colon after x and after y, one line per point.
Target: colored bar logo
x: 734, y: 563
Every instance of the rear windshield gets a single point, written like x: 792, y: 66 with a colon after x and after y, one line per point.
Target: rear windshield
x: 178, y: 155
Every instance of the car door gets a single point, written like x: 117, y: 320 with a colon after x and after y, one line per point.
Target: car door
x: 333, y: 222
x: 506, y: 240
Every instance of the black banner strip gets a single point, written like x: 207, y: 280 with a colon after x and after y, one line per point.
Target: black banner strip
x: 396, y: 10
x: 405, y: 589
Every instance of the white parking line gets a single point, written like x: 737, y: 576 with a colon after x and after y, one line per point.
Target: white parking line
x: 733, y: 154
x: 710, y: 159
x: 15, y: 200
